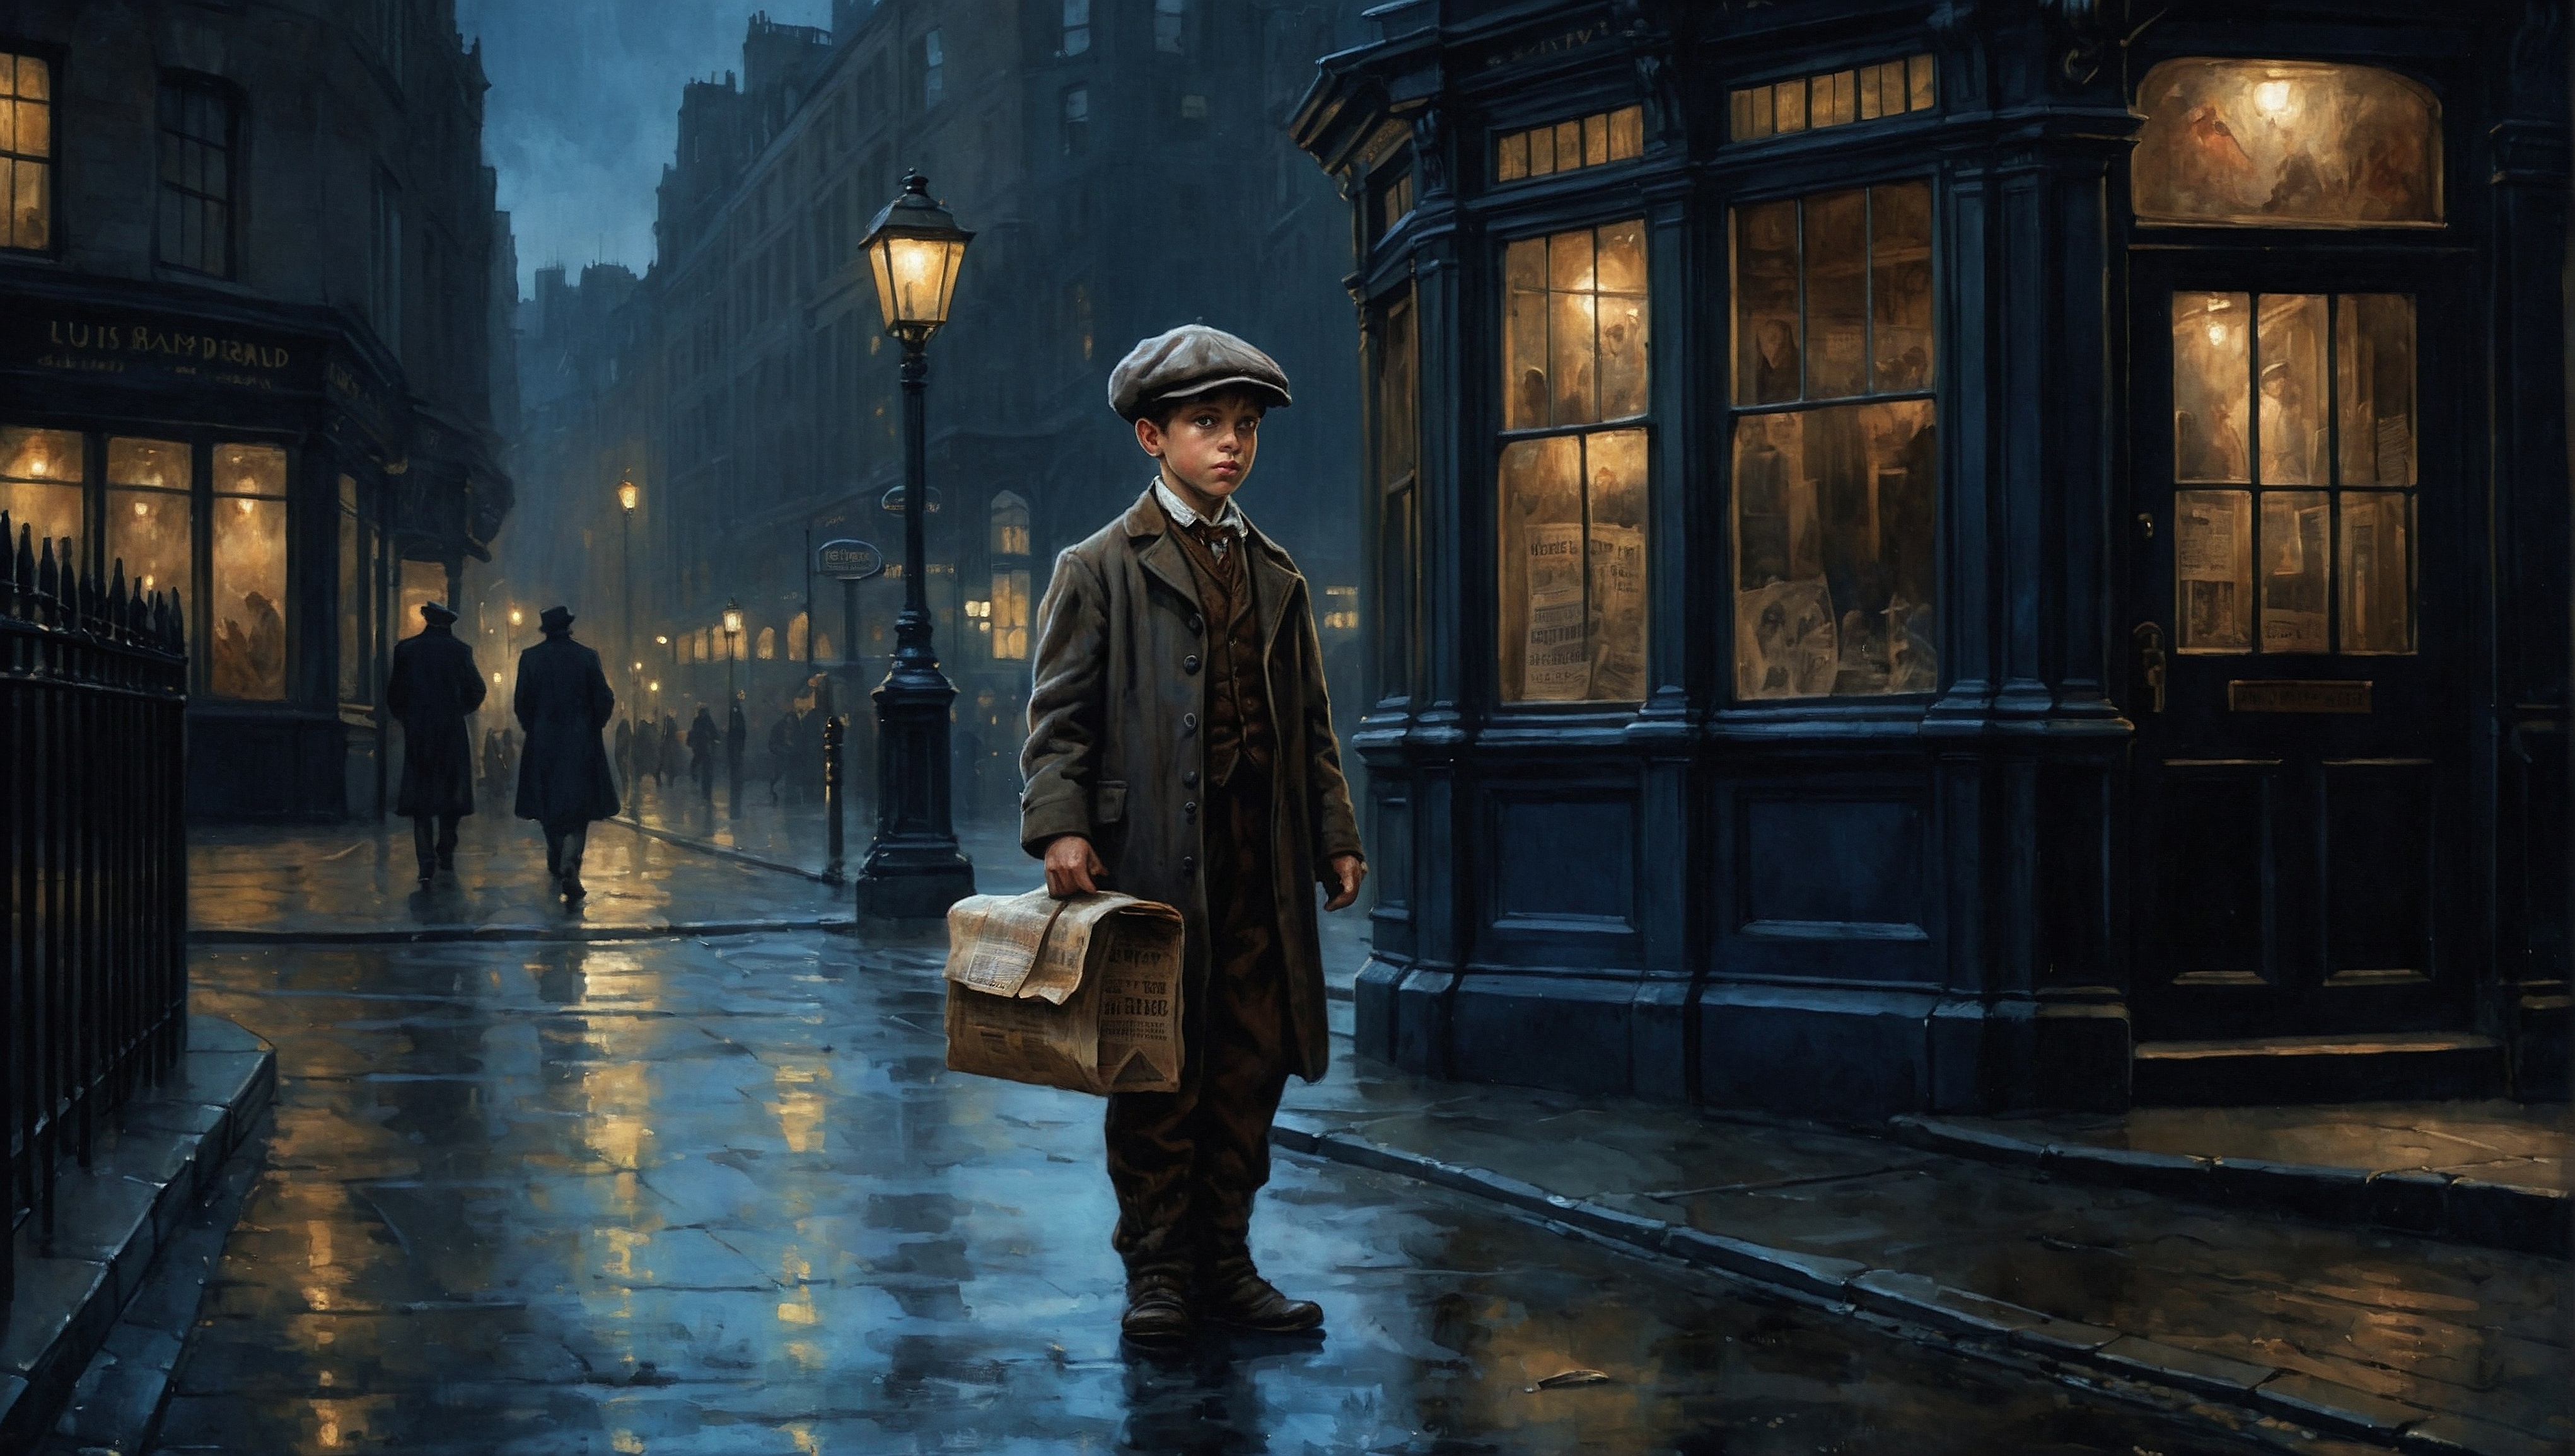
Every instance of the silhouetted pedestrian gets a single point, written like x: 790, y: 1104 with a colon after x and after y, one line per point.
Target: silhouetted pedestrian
x: 564, y: 701
x: 625, y: 755
x: 702, y: 752
x: 435, y: 684
x: 737, y: 737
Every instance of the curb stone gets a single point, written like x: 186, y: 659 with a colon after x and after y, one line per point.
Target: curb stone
x: 2420, y: 1202
x: 2263, y: 1391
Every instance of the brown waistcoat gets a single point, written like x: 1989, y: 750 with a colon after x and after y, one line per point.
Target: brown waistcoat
x: 1238, y: 726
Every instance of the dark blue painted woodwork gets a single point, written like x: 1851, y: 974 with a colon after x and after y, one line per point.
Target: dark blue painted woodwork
x: 1984, y: 895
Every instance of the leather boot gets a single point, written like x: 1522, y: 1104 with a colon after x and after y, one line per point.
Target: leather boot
x: 1233, y: 1292
x: 1158, y: 1307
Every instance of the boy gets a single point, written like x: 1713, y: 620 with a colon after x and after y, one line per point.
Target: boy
x: 1181, y: 750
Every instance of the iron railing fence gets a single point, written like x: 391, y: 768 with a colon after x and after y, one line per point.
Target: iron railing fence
x: 93, y: 858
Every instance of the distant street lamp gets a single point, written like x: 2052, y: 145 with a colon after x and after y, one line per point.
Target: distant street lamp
x: 627, y: 497
x: 733, y: 752
x: 913, y: 868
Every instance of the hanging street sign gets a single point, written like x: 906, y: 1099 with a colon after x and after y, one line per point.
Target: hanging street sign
x: 849, y: 561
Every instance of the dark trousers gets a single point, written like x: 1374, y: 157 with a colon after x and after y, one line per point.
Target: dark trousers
x: 1186, y: 1164
x: 434, y: 837
x: 565, y: 845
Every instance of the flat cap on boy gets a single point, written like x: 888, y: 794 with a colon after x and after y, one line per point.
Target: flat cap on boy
x: 1191, y: 360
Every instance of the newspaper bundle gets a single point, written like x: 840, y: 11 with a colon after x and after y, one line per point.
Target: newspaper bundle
x: 1080, y: 994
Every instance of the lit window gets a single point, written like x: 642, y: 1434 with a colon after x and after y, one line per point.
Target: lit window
x: 26, y: 152
x: 1398, y: 457
x: 1076, y: 26
x: 1390, y: 201
x: 1010, y: 525
x: 42, y: 473
x: 198, y: 135
x: 2291, y: 396
x: 1834, y: 540
x: 1586, y: 141
x: 1008, y: 613
x: 2286, y: 144
x: 767, y: 651
x: 149, y: 521
x: 1831, y: 98
x: 246, y: 648
x: 1572, y: 504
x: 1171, y: 19
x: 1341, y: 609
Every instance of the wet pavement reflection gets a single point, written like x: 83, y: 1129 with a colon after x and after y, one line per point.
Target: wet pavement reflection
x: 720, y: 1195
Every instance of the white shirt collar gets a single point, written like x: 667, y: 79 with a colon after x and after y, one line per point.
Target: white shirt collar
x: 1227, y: 519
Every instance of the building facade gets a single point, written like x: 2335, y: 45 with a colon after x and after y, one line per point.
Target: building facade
x: 1964, y: 557
x: 1124, y: 169
x: 246, y: 291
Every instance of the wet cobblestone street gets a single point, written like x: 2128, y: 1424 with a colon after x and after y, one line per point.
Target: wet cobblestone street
x: 718, y: 1194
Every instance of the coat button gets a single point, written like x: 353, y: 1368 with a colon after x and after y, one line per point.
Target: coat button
x: 1190, y: 808
x: 1190, y: 664
x: 1198, y: 623
x: 1189, y: 864
x: 1189, y: 778
x: 1188, y: 722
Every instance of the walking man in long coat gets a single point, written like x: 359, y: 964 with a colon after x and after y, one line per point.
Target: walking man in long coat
x: 435, y: 686
x: 564, y: 778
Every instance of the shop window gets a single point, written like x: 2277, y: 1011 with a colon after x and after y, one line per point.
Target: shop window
x: 150, y: 515
x: 199, y: 132
x: 1390, y: 201
x: 1399, y: 459
x: 1586, y: 141
x: 800, y: 634
x: 356, y: 557
x: 1572, y: 502
x: 767, y: 649
x: 1077, y: 27
x: 246, y: 651
x: 1833, y: 502
x: 42, y: 476
x: 1341, y: 609
x: 1009, y: 611
x: 1171, y: 25
x: 1831, y: 98
x: 2296, y: 144
x: 2304, y: 403
x: 424, y: 582
x: 1010, y: 525
x: 26, y: 152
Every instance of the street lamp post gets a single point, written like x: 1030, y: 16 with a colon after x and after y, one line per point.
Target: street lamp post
x: 913, y: 868
x: 732, y: 755
x: 627, y: 497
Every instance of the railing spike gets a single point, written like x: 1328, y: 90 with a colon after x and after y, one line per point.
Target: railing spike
x: 49, y: 585
x: 115, y: 603
x: 26, y: 569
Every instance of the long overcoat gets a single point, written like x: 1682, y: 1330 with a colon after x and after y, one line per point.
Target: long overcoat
x: 562, y: 702
x: 1114, y: 753
x: 434, y: 685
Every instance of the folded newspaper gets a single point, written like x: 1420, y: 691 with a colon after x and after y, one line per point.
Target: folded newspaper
x: 1080, y: 994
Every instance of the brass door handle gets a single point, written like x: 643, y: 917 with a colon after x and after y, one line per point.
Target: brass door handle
x: 2150, y: 639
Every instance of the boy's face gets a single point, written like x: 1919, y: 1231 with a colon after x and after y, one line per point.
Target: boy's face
x: 1205, y: 446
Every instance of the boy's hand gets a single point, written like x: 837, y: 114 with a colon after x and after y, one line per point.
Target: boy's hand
x: 1072, y: 867
x: 1350, y: 869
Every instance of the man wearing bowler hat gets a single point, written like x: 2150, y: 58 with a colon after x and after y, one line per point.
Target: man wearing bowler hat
x: 564, y: 778
x: 435, y: 684
x: 1181, y: 750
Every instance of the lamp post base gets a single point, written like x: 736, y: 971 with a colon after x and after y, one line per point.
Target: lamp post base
x: 912, y: 868
x: 912, y: 881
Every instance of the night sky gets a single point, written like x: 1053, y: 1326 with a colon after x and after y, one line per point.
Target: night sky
x: 583, y: 111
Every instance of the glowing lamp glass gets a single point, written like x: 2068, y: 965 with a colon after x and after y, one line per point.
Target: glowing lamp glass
x: 913, y: 249
x: 628, y: 495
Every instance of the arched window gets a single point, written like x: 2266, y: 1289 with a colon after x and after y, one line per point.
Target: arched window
x: 2295, y: 144
x: 1010, y: 525
x: 768, y: 649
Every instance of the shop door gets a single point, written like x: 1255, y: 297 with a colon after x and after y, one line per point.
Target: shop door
x: 2298, y: 636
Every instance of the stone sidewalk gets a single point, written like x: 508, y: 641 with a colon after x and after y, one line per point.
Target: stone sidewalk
x: 359, y: 883
x: 2391, y: 1339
